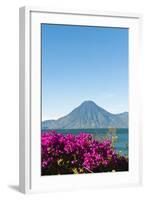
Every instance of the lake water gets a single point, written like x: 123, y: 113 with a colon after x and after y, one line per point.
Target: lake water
x: 119, y: 136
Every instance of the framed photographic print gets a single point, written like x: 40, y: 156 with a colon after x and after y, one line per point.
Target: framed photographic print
x: 79, y: 100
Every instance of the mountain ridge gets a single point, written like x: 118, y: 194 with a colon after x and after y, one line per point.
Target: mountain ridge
x: 88, y: 115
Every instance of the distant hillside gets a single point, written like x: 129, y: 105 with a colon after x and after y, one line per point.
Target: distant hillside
x: 88, y: 115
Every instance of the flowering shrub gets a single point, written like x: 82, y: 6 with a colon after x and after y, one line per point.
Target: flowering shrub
x: 70, y: 154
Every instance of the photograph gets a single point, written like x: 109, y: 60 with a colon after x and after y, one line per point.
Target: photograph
x: 84, y: 99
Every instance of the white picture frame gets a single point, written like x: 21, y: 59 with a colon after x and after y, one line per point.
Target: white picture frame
x: 29, y: 160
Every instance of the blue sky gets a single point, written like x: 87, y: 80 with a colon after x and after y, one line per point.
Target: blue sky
x: 83, y: 63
